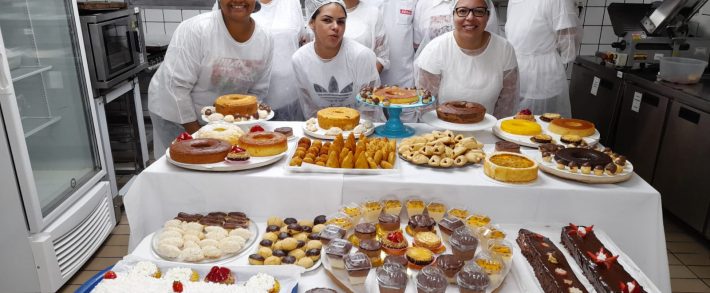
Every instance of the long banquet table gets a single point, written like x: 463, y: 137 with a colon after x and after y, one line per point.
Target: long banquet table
x: 630, y: 212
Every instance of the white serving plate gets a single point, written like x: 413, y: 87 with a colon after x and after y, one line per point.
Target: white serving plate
x: 320, y: 134
x: 551, y: 168
x: 525, y: 274
x: 525, y: 139
x: 247, y: 122
x: 313, y: 168
x: 431, y: 119
x: 252, y: 227
x: 253, y: 162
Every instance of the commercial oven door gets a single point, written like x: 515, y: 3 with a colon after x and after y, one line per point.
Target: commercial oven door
x: 680, y: 173
x: 642, y: 115
x: 594, y: 96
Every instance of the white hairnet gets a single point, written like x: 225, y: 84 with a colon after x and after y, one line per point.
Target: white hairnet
x: 313, y: 5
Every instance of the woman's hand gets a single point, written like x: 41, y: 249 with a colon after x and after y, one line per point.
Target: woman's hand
x: 379, y: 67
x: 191, y: 127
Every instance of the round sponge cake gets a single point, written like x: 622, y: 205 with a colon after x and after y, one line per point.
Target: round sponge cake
x: 341, y: 117
x: 236, y: 105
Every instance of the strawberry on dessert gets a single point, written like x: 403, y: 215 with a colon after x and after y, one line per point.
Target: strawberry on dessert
x: 177, y: 287
x: 110, y: 275
x: 256, y: 128
x: 394, y: 243
x: 220, y: 275
x: 238, y: 154
x: 183, y: 136
x: 525, y: 114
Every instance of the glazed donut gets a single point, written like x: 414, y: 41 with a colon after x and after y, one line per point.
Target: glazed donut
x: 227, y: 132
x: 581, y: 156
x: 564, y: 126
x: 263, y: 144
x: 396, y: 95
x: 199, y: 151
x: 461, y: 112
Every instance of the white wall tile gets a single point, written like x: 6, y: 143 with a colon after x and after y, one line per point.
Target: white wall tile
x: 613, y: 1
x: 581, y: 15
x: 703, y: 25
x: 591, y: 34
x: 606, y: 20
x: 596, y: 3
x: 170, y: 28
x: 205, y: 11
x: 606, y: 48
x: 172, y: 15
x: 608, y: 35
x: 593, y: 16
x: 186, y: 14
x: 153, y: 14
x: 634, y: 1
x: 586, y: 50
x: 154, y: 28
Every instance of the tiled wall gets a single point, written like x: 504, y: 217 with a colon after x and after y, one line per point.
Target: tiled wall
x: 165, y: 21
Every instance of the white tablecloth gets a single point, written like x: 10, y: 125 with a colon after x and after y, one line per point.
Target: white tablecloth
x: 629, y: 212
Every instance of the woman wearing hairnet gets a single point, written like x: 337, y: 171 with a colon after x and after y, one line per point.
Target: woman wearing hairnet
x: 331, y: 70
x: 470, y: 63
x: 432, y: 18
x: 212, y: 54
x: 284, y: 20
x: 543, y: 33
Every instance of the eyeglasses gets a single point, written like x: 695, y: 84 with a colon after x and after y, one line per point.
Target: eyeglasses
x: 477, y: 11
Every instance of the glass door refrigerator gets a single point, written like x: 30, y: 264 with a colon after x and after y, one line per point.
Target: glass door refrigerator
x: 55, y: 207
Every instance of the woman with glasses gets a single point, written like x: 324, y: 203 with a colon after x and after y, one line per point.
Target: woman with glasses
x: 545, y: 37
x: 331, y: 70
x: 471, y: 64
x: 212, y: 54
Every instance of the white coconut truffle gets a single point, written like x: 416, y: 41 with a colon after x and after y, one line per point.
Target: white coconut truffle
x: 235, y: 238
x: 189, y: 244
x: 174, y: 229
x: 199, y: 234
x: 175, y: 241
x: 312, y: 127
x: 173, y: 223
x: 262, y: 114
x: 208, y: 242
x: 190, y: 237
x: 228, y: 118
x: 311, y: 121
x: 241, y: 232
x: 192, y: 226
x: 214, y: 117
x: 215, y: 229
x: 169, y: 234
x: 170, y: 251
x: 212, y: 252
x: 215, y: 235
x: 334, y: 131
x: 192, y: 254
x: 368, y: 124
x: 359, y: 129
x: 230, y: 246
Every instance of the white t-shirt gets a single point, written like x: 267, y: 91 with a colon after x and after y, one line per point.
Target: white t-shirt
x: 398, y: 16
x: 336, y: 82
x: 365, y: 25
x: 468, y: 78
x: 284, y: 20
x: 435, y: 17
x: 203, y: 62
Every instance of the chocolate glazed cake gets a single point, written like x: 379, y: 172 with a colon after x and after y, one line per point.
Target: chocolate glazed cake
x: 597, y: 263
x: 551, y: 268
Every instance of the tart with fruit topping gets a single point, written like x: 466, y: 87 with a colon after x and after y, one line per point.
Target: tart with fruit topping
x: 525, y: 114
x: 237, y: 154
x: 510, y: 167
x: 394, y: 243
x: 220, y: 275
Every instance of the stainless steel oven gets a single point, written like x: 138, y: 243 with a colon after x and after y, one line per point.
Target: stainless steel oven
x: 114, y: 45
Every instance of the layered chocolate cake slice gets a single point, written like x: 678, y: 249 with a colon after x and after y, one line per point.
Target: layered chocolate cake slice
x: 598, y: 264
x: 550, y: 265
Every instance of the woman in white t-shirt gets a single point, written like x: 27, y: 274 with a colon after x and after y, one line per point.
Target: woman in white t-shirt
x: 471, y: 64
x: 366, y: 26
x: 212, y: 54
x: 331, y: 70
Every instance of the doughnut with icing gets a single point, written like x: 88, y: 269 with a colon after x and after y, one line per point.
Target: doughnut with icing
x: 199, y: 151
x: 461, y: 112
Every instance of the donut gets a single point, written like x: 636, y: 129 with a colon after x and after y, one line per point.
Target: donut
x: 521, y: 127
x: 263, y: 144
x: 461, y: 112
x: 223, y: 131
x: 564, y: 126
x: 340, y: 117
x: 581, y: 156
x: 236, y: 105
x: 199, y: 151
x: 396, y: 95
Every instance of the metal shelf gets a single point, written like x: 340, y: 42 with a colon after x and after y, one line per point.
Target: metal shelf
x: 32, y: 125
x: 27, y: 71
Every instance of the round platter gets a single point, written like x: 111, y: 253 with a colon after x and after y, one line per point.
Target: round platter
x: 401, y: 106
x: 320, y: 134
x: 253, y: 162
x: 431, y: 119
x: 551, y: 168
x: 255, y: 235
x: 247, y: 122
x: 525, y: 139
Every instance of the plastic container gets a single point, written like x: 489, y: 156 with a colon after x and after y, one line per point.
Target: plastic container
x: 681, y: 70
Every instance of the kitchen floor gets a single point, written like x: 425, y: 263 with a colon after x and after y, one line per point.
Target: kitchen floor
x: 688, y: 257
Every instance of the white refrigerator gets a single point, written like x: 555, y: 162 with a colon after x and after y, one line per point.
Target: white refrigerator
x: 55, y: 205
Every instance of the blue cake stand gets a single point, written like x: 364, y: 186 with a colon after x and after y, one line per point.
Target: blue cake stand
x: 394, y: 128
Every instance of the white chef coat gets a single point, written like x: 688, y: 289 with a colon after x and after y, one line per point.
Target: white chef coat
x: 203, y: 62
x: 468, y: 78
x: 532, y: 28
x: 433, y: 18
x: 284, y: 20
x: 334, y: 82
x: 365, y: 25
